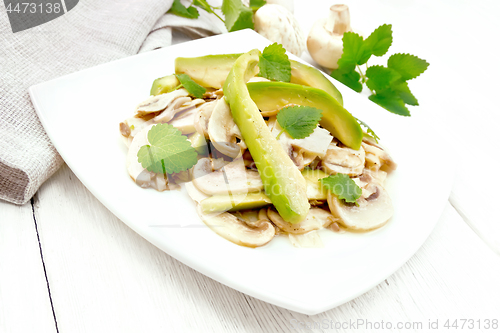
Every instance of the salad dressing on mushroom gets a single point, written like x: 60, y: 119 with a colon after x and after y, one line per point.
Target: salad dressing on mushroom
x: 254, y: 177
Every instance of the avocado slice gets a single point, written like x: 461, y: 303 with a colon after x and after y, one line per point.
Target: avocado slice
x: 311, y: 77
x: 314, y: 189
x: 199, y: 143
x: 211, y: 71
x: 271, y: 96
x: 283, y: 182
x: 164, y: 85
x: 208, y: 71
x: 223, y: 203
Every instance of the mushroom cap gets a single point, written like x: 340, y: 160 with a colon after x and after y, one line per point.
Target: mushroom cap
x: 316, y: 218
x: 159, y: 102
x: 233, y: 178
x: 344, y: 160
x: 223, y: 131
x: 237, y: 231
x: 372, y: 212
x: 279, y: 25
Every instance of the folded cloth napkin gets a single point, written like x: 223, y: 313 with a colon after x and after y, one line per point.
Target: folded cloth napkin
x: 93, y: 32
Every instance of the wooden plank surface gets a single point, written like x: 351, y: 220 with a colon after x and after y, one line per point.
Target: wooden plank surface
x: 104, y: 277
x: 24, y: 297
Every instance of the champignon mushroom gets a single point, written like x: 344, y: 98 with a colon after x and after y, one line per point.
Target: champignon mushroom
x: 184, y: 119
x: 372, y: 211
x: 232, y: 179
x: 325, y: 38
x: 202, y: 118
x: 344, y: 160
x: 159, y: 102
x: 317, y: 218
x: 279, y: 25
x: 310, y: 239
x: 377, y: 158
x: 237, y: 231
x: 223, y: 131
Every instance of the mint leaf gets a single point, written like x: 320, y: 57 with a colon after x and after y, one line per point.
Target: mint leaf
x: 168, y: 152
x: 180, y: 10
x: 298, y: 121
x: 407, y: 65
x: 379, y: 41
x: 192, y: 87
x: 402, y: 90
x: 349, y: 78
x: 342, y: 186
x: 256, y: 4
x: 274, y: 64
x: 368, y: 130
x: 237, y: 16
x: 352, y: 51
x: 390, y: 101
x: 380, y: 77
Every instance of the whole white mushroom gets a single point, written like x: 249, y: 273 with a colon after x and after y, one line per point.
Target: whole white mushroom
x: 324, y: 42
x: 278, y: 24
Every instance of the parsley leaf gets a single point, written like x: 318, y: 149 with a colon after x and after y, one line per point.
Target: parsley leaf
x: 379, y: 41
x: 380, y: 77
x: 298, y: 121
x: 342, y: 186
x: 180, y: 10
x: 274, y: 64
x: 192, y: 87
x: 407, y: 65
x: 369, y: 131
x: 169, y: 151
x: 237, y: 16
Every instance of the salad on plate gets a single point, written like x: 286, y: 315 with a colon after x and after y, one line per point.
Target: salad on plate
x: 263, y: 145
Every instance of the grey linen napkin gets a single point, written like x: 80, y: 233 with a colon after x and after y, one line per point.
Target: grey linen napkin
x: 92, y: 33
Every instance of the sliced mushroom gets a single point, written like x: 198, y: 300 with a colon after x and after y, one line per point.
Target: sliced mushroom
x: 202, y: 118
x: 194, y: 193
x: 372, y: 211
x: 377, y: 158
x: 223, y: 131
x: 344, y: 160
x: 140, y: 175
x: 176, y: 106
x: 302, y: 151
x: 310, y: 239
x: 237, y: 231
x: 159, y: 102
x: 185, y: 121
x: 232, y: 179
x: 317, y: 218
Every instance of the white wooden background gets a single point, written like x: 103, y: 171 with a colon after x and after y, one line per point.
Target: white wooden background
x: 68, y: 265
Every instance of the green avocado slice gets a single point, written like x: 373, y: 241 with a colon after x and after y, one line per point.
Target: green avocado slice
x: 271, y: 96
x: 164, y: 85
x: 283, y: 182
x: 211, y: 71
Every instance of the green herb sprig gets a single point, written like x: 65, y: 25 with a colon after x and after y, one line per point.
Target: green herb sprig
x: 388, y: 84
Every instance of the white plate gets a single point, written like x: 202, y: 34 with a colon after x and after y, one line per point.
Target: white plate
x: 81, y: 113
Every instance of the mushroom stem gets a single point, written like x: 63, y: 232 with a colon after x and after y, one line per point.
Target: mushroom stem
x: 339, y: 20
